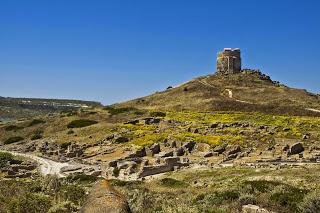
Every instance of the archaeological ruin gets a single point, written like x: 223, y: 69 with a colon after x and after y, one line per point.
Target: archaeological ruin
x: 229, y: 61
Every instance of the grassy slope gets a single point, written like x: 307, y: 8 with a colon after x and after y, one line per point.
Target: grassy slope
x: 256, y: 92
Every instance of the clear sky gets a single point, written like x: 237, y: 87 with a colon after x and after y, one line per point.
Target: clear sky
x: 110, y: 51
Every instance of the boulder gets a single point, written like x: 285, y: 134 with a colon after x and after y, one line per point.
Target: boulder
x: 232, y: 149
x: 214, y: 125
x: 253, y: 209
x: 189, y: 145
x: 219, y: 149
x: 121, y: 139
x: 296, y: 148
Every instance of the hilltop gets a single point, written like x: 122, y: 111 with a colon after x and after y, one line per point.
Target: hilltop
x: 247, y: 91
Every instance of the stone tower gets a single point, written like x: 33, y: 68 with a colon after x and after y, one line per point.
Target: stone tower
x: 229, y: 61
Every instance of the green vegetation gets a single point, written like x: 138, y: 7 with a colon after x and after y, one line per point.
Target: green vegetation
x: 65, y: 145
x: 12, y: 128
x: 81, y: 123
x: 36, y: 122
x: 37, y: 135
x: 170, y: 182
x: 116, y: 111
x: 158, y: 114
x: 4, y: 158
x: 81, y: 178
x: 47, y: 194
x: 13, y: 140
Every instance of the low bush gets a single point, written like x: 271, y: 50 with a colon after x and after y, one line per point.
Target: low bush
x: 12, y: 128
x: 31, y: 203
x: 65, y: 145
x: 81, y: 123
x: 116, y: 111
x: 4, y: 158
x: 170, y: 182
x: 36, y: 122
x: 37, y: 135
x: 158, y: 114
x: 81, y: 178
x: 74, y: 193
x: 288, y: 197
x: 70, y: 132
x: 13, y: 140
x: 310, y: 203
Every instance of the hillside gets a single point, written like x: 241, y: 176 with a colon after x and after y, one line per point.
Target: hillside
x: 249, y: 91
x: 17, y: 108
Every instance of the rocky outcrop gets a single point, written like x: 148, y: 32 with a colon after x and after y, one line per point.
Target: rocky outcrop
x: 296, y: 149
x: 104, y: 199
x: 253, y: 209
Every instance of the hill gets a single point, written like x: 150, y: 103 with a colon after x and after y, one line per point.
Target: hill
x: 17, y: 108
x: 249, y: 91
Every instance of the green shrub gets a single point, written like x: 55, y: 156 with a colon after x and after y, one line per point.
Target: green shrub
x: 261, y: 185
x: 288, y: 197
x: 70, y: 132
x: 13, y: 140
x: 4, y: 158
x: 64, y: 207
x: 12, y: 128
x: 31, y: 203
x: 81, y: 123
x: 170, y: 182
x: 116, y: 111
x: 35, y: 122
x: 311, y: 203
x: 74, y: 193
x: 247, y: 199
x: 65, y: 145
x: 158, y: 114
x: 37, y: 135
x: 81, y: 178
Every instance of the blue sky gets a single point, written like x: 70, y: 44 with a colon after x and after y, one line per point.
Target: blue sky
x: 110, y: 51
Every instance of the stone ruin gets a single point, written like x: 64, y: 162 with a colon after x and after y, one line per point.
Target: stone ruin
x: 229, y: 61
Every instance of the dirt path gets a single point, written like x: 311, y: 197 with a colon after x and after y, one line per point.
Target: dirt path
x: 50, y: 167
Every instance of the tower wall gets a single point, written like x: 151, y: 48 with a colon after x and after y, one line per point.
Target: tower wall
x: 229, y: 61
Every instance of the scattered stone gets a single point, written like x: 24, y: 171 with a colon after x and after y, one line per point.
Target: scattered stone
x: 219, y: 149
x: 253, y: 209
x: 296, y: 148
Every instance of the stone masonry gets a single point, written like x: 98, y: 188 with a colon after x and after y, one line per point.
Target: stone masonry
x: 229, y: 61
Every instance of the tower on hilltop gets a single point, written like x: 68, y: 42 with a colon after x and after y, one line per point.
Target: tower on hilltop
x: 229, y: 61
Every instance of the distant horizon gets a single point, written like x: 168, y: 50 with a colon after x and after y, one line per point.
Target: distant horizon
x: 133, y: 97
x: 109, y: 52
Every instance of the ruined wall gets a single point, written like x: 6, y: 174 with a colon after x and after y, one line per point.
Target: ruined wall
x: 229, y: 61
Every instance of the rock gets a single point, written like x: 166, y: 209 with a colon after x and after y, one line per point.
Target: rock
x: 155, y: 148
x: 214, y: 125
x: 253, y: 209
x: 121, y: 139
x: 166, y: 154
x: 133, y: 122
x: 219, y: 149
x: 296, y: 148
x: 189, y: 145
x: 305, y: 137
x: 202, y: 147
x: 286, y: 148
x: 104, y: 199
x: 233, y: 149
x: 179, y: 152
x: 207, y: 154
x: 231, y: 156
x: 95, y: 173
